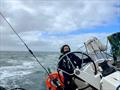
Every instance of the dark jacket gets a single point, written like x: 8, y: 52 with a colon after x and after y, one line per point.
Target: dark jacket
x: 65, y: 64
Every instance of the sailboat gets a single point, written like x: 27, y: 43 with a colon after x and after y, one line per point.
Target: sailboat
x: 102, y: 72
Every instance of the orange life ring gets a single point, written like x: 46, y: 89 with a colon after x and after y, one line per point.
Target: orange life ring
x: 54, y: 75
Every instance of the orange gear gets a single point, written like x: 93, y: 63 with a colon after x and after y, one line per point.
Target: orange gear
x: 54, y: 75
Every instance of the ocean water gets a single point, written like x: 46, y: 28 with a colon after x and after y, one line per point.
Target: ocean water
x: 20, y: 69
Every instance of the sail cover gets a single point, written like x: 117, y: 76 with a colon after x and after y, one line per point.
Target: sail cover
x: 94, y: 45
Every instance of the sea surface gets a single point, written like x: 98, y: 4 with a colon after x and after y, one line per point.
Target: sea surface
x: 20, y: 69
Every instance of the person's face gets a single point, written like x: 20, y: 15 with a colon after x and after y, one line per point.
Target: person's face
x: 66, y: 49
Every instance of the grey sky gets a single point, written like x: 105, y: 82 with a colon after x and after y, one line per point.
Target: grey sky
x: 33, y: 18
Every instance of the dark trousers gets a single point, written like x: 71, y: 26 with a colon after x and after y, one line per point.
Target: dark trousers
x: 69, y: 83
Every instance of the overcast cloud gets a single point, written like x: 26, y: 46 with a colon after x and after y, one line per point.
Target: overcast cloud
x: 33, y: 18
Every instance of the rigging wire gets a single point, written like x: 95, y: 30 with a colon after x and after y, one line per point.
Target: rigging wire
x: 31, y: 52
